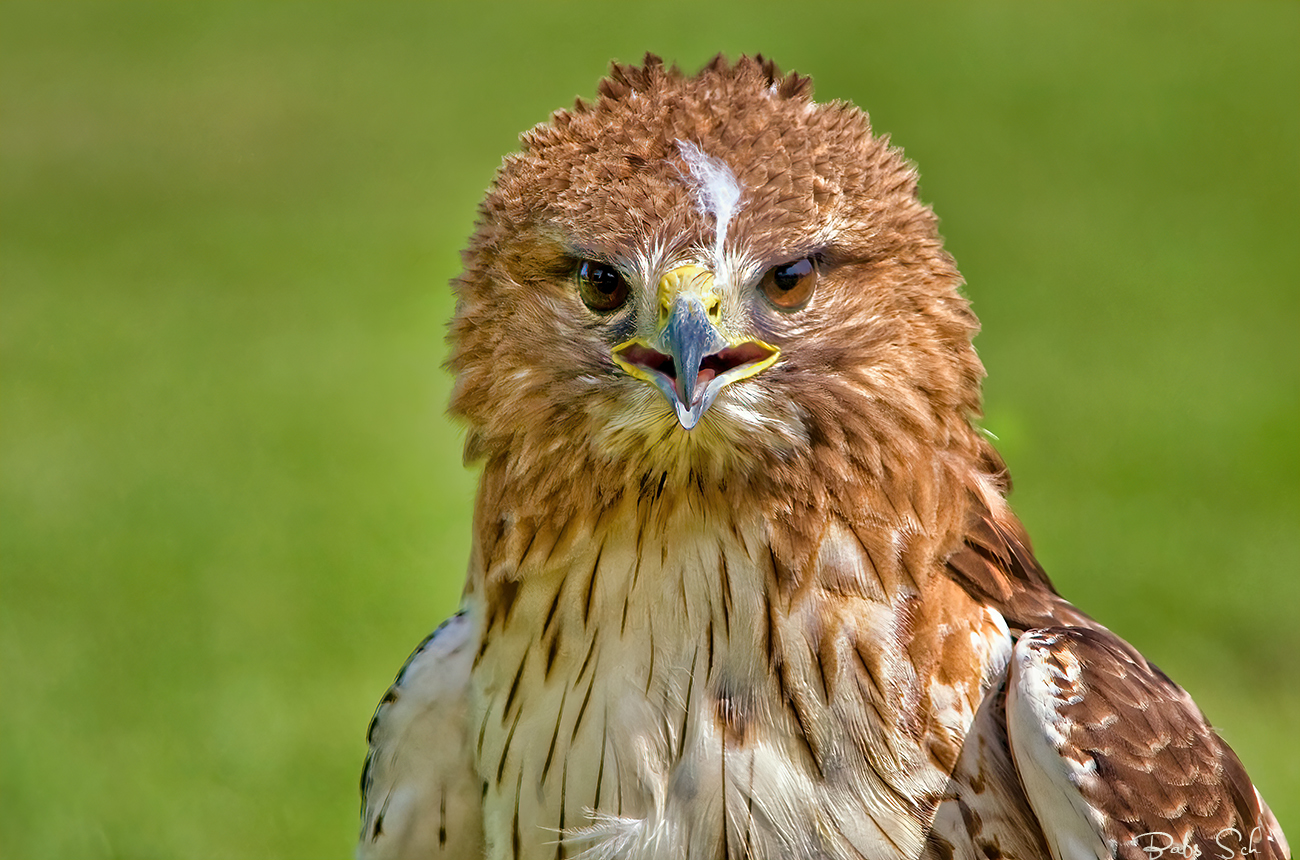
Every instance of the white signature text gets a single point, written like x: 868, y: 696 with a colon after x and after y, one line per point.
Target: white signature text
x: 1232, y: 844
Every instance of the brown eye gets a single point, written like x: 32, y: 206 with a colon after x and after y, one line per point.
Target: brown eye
x: 789, y: 286
x: 602, y: 287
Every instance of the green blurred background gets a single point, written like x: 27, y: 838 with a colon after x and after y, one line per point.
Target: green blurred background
x: 232, y: 502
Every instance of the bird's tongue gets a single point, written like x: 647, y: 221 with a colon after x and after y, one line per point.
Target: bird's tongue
x: 707, y: 374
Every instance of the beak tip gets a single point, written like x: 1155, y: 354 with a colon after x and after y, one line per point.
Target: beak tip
x: 689, y: 416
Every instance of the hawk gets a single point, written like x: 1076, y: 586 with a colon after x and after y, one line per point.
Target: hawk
x: 743, y: 581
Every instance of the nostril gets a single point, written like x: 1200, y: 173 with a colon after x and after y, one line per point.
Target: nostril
x: 713, y: 307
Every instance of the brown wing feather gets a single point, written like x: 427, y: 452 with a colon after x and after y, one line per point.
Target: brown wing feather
x: 1160, y: 769
x: 1142, y: 756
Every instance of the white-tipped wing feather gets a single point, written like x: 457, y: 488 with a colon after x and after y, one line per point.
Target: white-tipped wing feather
x: 1117, y: 761
x: 420, y: 794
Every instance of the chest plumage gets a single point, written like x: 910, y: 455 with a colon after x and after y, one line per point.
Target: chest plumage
x: 653, y: 690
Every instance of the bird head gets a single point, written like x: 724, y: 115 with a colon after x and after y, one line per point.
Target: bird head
x: 707, y: 278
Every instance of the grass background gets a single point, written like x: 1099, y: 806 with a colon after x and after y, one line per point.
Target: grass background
x: 230, y: 499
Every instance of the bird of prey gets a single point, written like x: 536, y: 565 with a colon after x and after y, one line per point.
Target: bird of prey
x: 744, y: 582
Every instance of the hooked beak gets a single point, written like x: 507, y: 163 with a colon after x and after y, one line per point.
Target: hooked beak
x: 690, y: 360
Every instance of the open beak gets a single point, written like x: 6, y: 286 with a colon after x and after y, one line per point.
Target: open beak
x: 690, y: 360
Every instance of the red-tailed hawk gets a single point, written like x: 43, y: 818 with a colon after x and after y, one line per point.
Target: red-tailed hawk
x: 744, y: 581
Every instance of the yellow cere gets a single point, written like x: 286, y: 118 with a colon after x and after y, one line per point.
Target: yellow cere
x: 685, y: 280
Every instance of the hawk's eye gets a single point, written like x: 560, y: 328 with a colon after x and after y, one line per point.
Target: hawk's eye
x: 789, y: 285
x: 602, y: 287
